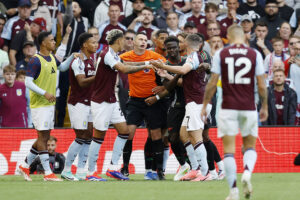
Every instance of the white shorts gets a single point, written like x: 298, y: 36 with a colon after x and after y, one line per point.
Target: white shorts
x: 230, y: 121
x: 80, y: 116
x: 192, y: 119
x: 105, y: 114
x: 43, y: 118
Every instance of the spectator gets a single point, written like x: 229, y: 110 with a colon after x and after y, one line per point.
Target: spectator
x: 285, y: 33
x: 2, y: 23
x: 55, y: 9
x: 214, y: 29
x: 293, y: 3
x: 272, y: 18
x: 282, y: 101
x: 294, y: 74
x: 158, y: 40
x: 277, y: 54
x: 128, y: 43
x: 195, y: 15
x: 39, y: 10
x: 259, y: 42
x: 56, y: 160
x: 17, y: 23
x: 13, y: 100
x: 173, y: 24
x: 211, y: 13
x: 125, y: 7
x: 292, y: 52
x: 251, y: 8
x: 285, y: 11
x: 190, y: 27
x: 29, y: 34
x: 4, y: 60
x: 161, y: 13
x: 21, y: 78
x: 112, y: 23
x: 144, y: 23
x: 247, y: 25
x: 231, y: 17
x: 215, y: 44
x: 153, y: 4
x: 137, y: 6
x: 182, y: 5
x: 182, y: 45
x: 10, y: 7
x: 88, y: 8
x: 29, y: 49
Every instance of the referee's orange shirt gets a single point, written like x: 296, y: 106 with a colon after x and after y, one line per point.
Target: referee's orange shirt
x: 141, y: 83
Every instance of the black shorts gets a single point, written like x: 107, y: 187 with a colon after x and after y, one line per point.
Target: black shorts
x: 165, y: 105
x: 175, y: 117
x: 138, y: 111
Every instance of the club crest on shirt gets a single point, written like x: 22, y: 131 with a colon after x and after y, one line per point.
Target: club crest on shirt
x: 19, y: 92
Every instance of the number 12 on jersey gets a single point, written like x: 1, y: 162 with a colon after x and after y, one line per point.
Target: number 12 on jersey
x: 237, y: 78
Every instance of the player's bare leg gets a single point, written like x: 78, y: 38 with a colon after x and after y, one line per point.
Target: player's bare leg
x: 158, y: 148
x: 93, y: 155
x: 249, y: 159
x: 123, y: 134
x: 128, y: 150
x: 230, y: 166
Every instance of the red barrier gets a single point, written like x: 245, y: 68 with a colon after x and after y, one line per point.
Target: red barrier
x: 15, y: 143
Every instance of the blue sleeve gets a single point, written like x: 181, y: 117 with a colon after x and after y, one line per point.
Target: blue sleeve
x: 216, y: 63
x: 33, y: 68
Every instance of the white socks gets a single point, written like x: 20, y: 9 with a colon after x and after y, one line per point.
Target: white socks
x: 93, y: 154
x: 201, y: 156
x: 230, y: 169
x: 191, y: 154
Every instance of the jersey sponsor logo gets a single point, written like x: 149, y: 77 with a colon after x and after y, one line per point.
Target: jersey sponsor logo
x: 52, y: 70
x: 91, y: 73
x: 19, y: 92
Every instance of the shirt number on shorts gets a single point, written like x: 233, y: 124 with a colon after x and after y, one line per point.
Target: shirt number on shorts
x: 188, y: 120
x: 238, y: 77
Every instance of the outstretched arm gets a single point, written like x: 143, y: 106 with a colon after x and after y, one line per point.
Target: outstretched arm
x: 128, y: 69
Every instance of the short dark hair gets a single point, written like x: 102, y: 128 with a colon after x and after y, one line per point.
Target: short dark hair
x: 130, y: 31
x: 21, y: 73
x: 160, y: 32
x: 171, y: 39
x: 261, y: 23
x: 52, y: 138
x: 276, y: 39
x: 83, y: 37
x: 141, y: 33
x: 279, y: 70
x: 182, y: 34
x: 147, y: 8
x: 42, y: 36
x: 201, y: 36
x: 2, y: 17
x: 211, y: 6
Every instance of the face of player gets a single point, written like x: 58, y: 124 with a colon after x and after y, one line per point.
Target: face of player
x: 140, y: 42
x: 172, y: 49
x: 29, y: 51
x: 278, y: 78
x: 114, y: 13
x: 2, y: 23
x: 285, y: 31
x: 9, y: 78
x: 159, y: 41
x: 128, y: 42
x: 148, y: 17
x: 51, y: 146
x: 261, y: 32
x: 138, y: 5
x: 24, y: 12
x: 21, y: 78
x: 232, y: 4
x: 167, y: 4
x: 95, y: 33
x: 35, y: 29
x: 196, y: 6
x: 182, y: 45
x: 271, y: 9
x: 212, y: 30
x: 172, y: 20
x: 211, y: 15
x: 247, y: 26
x: 278, y: 47
x: 91, y: 45
x: 49, y: 43
x: 76, y: 9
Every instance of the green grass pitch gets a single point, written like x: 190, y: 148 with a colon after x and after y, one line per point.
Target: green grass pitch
x: 268, y: 186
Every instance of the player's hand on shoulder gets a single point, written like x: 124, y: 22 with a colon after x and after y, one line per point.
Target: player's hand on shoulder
x: 51, y: 98
x: 151, y: 100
